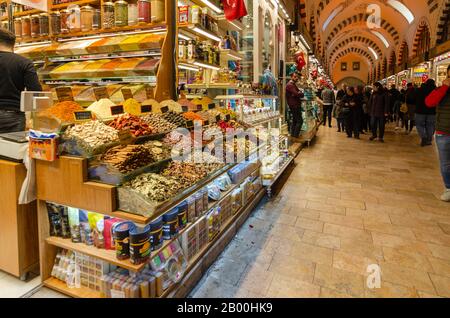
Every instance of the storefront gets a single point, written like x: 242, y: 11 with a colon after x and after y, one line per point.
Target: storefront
x: 403, y: 78
x: 421, y: 73
x: 441, y: 62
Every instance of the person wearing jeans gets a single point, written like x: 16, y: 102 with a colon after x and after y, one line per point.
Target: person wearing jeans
x: 293, y: 98
x: 328, y: 100
x: 440, y: 99
x: 378, y: 110
x: 425, y: 116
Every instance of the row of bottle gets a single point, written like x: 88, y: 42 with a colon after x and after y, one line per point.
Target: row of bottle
x: 87, y: 18
x: 197, y: 15
x: 201, y: 51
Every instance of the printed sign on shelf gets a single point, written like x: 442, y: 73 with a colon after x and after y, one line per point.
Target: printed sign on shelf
x: 35, y: 4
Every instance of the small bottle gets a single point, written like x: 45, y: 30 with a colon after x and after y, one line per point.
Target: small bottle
x: 195, y: 15
x: 181, y: 50
x: 190, y: 50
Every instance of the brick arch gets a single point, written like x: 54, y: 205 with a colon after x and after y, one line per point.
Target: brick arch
x: 385, y: 25
x: 356, y: 50
x: 423, y: 29
x: 392, y: 63
x: 359, y: 39
x: 432, y: 5
x: 403, y: 50
x: 443, y: 21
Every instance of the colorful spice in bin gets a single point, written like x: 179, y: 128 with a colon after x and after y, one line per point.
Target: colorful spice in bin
x: 121, y: 233
x: 132, y: 106
x: 182, y: 215
x: 102, y: 108
x: 139, y: 244
x: 193, y: 116
x: 170, y: 227
x: 63, y: 111
x: 156, y: 233
x: 135, y: 124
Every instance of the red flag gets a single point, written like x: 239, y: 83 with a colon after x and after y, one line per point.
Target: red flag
x: 234, y: 9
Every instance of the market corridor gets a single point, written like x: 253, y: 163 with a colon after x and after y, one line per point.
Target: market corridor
x: 346, y: 205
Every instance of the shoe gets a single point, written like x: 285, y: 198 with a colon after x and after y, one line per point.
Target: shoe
x: 446, y: 196
x: 397, y: 128
x: 330, y: 126
x: 423, y: 143
x: 339, y: 130
x: 381, y: 140
x: 349, y: 137
x: 357, y: 137
x: 372, y: 138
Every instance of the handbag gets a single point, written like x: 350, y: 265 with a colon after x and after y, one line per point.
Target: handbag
x: 404, y: 108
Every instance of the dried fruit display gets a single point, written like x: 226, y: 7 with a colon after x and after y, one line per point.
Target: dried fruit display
x: 155, y: 187
x: 160, y: 150
x: 175, y: 118
x: 136, y: 126
x: 128, y: 158
x: 186, y: 173
x: 158, y: 123
x: 93, y: 133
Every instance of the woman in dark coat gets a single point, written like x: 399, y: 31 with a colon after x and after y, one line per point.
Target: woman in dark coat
x: 378, y: 110
x: 353, y: 112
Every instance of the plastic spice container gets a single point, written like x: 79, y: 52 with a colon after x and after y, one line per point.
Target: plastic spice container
x: 35, y: 26
x: 26, y: 27
x: 121, y: 232
x: 170, y: 227
x: 191, y: 209
x: 55, y: 22
x: 108, y: 15
x: 139, y: 244
x: 87, y: 18
x: 195, y: 15
x: 97, y: 19
x: 156, y: 233
x: 64, y: 15
x: 121, y: 13
x: 158, y: 10
x: 182, y: 215
x: 198, y: 204
x: 133, y: 14
x: 18, y: 27
x: 204, y: 192
x: 144, y: 11
x: 74, y: 18
x: 44, y: 24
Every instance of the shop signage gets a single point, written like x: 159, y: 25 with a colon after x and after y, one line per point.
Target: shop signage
x: 64, y: 94
x: 184, y: 109
x: 41, y: 5
x: 441, y: 49
x: 127, y: 94
x: 211, y: 106
x: 146, y: 108
x: 117, y: 110
x: 164, y: 109
x: 100, y: 92
x: 82, y: 116
x: 189, y: 124
x: 217, y: 118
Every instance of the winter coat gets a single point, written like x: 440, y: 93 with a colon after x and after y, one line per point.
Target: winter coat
x: 379, y: 104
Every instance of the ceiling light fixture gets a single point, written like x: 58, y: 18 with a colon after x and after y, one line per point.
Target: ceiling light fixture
x: 235, y: 25
x: 400, y: 7
x: 184, y: 37
x: 382, y: 38
x: 332, y: 16
x: 207, y: 34
x: 187, y: 67
x: 373, y: 52
x: 212, y: 6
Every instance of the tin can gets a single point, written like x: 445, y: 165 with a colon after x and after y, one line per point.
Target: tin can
x: 182, y: 215
x: 139, y: 244
x: 156, y: 233
x: 121, y: 233
x: 170, y: 227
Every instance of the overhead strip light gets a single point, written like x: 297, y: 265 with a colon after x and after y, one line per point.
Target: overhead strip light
x: 235, y: 25
x: 100, y: 36
x: 332, y: 16
x: 213, y: 7
x: 373, y: 52
x: 382, y: 38
x: 212, y: 67
x: 234, y: 56
x: 400, y: 7
x: 184, y: 37
x: 187, y: 67
x: 207, y: 34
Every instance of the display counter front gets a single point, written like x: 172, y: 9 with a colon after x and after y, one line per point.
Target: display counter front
x: 18, y: 228
x: 441, y: 64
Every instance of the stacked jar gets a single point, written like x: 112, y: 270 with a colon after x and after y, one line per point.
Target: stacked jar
x: 55, y: 22
x: 26, y: 27
x: 145, y: 12
x: 18, y: 27
x: 44, y: 24
x: 35, y: 25
x: 121, y: 13
x: 86, y: 18
x: 108, y: 15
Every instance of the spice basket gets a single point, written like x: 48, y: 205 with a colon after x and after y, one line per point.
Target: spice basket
x: 78, y: 147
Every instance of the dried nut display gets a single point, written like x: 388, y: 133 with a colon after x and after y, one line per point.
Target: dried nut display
x: 157, y: 122
x: 136, y: 126
x: 186, y: 173
x: 160, y: 150
x: 155, y: 187
x: 209, y: 162
x: 174, y: 118
x: 93, y: 133
x: 128, y: 158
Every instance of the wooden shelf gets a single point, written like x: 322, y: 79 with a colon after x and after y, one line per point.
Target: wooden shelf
x: 25, y: 13
x: 200, y: 32
x: 103, y: 254
x: 232, y: 55
x: 80, y: 3
x: 224, y: 24
x: 192, y: 63
x: 215, y: 85
x: 61, y: 287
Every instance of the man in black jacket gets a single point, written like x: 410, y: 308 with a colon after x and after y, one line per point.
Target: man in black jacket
x: 17, y: 74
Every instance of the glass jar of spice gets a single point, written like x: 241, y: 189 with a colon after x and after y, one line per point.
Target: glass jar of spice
x: 132, y: 14
x: 87, y: 18
x: 74, y: 18
x: 64, y: 14
x: 26, y: 27
x: 44, y: 24
x: 55, y: 22
x: 158, y: 10
x: 97, y: 19
x: 35, y: 26
x: 144, y: 11
x: 108, y: 15
x: 121, y: 13
x: 18, y: 27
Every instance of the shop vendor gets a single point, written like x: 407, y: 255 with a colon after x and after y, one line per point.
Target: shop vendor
x: 16, y: 75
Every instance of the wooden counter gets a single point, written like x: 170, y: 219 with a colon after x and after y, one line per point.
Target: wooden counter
x: 19, y: 249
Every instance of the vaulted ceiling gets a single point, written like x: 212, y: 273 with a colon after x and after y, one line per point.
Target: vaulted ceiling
x: 343, y: 27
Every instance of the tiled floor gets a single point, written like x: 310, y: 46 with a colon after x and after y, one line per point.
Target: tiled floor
x: 12, y: 287
x: 347, y: 204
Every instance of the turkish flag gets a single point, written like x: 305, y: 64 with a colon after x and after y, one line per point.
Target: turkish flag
x: 234, y: 9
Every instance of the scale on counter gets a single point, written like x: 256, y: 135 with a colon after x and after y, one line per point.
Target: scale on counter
x: 12, y: 145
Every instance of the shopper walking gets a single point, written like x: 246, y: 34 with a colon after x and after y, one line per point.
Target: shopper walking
x: 328, y: 100
x: 440, y: 99
x: 293, y: 98
x: 409, y: 116
x: 378, y: 110
x: 425, y: 116
x: 359, y: 114
x: 352, y: 106
x: 394, y: 96
x: 17, y: 74
x: 338, y: 113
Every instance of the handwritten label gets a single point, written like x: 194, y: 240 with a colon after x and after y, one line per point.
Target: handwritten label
x: 199, y: 107
x: 64, y: 94
x: 189, y: 124
x: 82, y: 116
x: 227, y: 117
x: 164, y: 109
x: 117, y: 110
x: 100, y: 93
x: 211, y: 106
x: 184, y: 109
x: 206, y: 123
x: 126, y: 137
x: 217, y: 118
x: 127, y: 94
x: 146, y: 108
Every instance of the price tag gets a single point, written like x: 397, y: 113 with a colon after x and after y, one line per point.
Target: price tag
x: 211, y: 106
x: 199, y: 107
x: 126, y: 92
x: 82, y: 116
x: 189, y: 124
x: 64, y: 94
x: 100, y: 93
x: 184, y: 109
x: 206, y: 123
x: 164, y: 109
x: 217, y: 118
x: 126, y: 137
x: 117, y: 110
x: 149, y: 92
x: 227, y: 117
x: 146, y: 108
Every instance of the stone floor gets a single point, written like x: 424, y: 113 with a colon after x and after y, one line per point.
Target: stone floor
x: 347, y: 204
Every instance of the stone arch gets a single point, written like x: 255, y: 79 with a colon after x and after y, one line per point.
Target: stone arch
x: 422, y: 38
x: 356, y: 39
x: 403, y: 54
x: 443, y: 23
x: 392, y: 63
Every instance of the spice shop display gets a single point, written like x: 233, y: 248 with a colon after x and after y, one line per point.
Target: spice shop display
x: 102, y: 108
x: 159, y: 150
x: 158, y: 123
x: 175, y: 118
x: 128, y: 158
x: 136, y: 126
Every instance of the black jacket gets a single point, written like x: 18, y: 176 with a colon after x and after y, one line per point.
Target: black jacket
x: 421, y: 94
x: 379, y: 104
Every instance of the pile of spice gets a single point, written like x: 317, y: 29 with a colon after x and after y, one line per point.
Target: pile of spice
x: 132, y: 106
x: 63, y: 111
x: 136, y: 126
x: 102, y: 108
x: 160, y: 150
x: 193, y: 116
x: 155, y: 187
x: 174, y: 118
x: 158, y: 123
x: 186, y: 173
x: 128, y: 158
x: 93, y: 133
